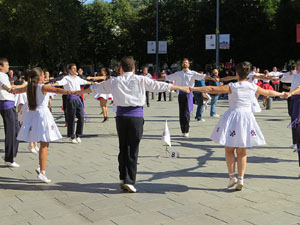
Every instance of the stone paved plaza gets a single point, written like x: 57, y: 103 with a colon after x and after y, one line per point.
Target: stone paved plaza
x: 188, y: 190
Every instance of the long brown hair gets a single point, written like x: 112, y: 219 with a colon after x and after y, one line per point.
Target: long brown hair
x: 33, y: 81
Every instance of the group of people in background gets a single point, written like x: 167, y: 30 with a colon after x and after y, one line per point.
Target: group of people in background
x: 237, y: 129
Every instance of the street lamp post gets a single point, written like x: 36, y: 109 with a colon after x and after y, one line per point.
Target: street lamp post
x: 157, y: 66
x: 218, y: 34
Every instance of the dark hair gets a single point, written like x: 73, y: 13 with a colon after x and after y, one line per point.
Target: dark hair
x: 71, y: 65
x: 185, y: 59
x: 243, y: 69
x: 19, y: 74
x: 127, y: 63
x: 33, y: 80
x: 2, y: 61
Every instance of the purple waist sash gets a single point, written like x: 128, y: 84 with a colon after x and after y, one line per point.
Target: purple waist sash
x: 189, y: 99
x: 134, y: 111
x: 74, y: 97
x: 295, y: 97
x: 6, y: 104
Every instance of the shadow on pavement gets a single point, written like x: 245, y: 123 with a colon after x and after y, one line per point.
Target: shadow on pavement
x: 111, y: 188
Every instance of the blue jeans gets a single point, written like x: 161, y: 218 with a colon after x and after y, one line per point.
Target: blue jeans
x: 214, y: 99
x: 199, y: 101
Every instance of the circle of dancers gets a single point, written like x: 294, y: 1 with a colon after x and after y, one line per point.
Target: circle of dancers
x: 237, y: 129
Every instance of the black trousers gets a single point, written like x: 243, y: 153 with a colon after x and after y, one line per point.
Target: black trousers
x: 159, y: 96
x: 147, y: 98
x: 130, y: 131
x: 290, y: 112
x: 75, y: 109
x: 11, y: 130
x: 65, y: 100
x: 184, y: 113
x: 296, y: 130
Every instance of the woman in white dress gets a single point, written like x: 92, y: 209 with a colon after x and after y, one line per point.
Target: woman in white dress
x: 38, y: 124
x: 103, y: 98
x: 237, y: 128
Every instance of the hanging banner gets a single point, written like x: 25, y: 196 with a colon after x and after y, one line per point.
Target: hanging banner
x: 298, y: 33
x: 162, y: 47
x: 210, y: 41
x: 224, y: 41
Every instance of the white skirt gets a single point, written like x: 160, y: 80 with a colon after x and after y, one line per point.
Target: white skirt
x: 39, y: 126
x: 20, y: 98
x: 238, y: 129
x: 105, y: 96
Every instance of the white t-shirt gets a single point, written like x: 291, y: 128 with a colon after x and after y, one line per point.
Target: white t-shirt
x: 71, y: 83
x: 129, y: 89
x: 187, y: 78
x: 4, y: 95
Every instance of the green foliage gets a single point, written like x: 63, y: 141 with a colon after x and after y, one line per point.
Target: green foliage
x: 54, y: 32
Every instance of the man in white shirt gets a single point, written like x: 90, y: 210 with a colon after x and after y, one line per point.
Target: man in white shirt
x: 295, y: 79
x: 186, y: 77
x: 128, y: 91
x: 9, y: 115
x: 75, y: 108
x: 147, y: 74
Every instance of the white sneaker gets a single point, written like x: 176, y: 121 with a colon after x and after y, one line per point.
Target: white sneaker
x: 293, y: 146
x: 14, y: 164
x: 185, y: 134
x: 202, y: 120
x: 38, y: 170
x: 74, y: 141
x: 78, y: 139
x: 232, y: 182
x: 32, y: 150
x: 130, y: 188
x: 43, y: 178
x: 215, y: 116
x: 122, y: 186
x: 37, y: 149
x: 240, y: 185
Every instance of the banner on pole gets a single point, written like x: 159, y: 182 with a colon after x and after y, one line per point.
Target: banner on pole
x: 162, y: 47
x: 210, y: 41
x: 298, y: 33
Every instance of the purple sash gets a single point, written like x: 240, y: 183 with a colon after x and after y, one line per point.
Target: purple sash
x: 189, y: 99
x: 134, y: 111
x: 74, y: 97
x: 6, y: 104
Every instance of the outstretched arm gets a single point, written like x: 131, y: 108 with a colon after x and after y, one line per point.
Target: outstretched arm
x: 264, y: 92
x: 228, y: 78
x: 212, y: 89
x: 49, y: 88
x: 293, y: 92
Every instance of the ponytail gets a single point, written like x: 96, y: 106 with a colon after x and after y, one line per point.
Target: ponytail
x: 33, y: 81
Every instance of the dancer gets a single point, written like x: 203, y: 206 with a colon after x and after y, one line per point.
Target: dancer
x: 186, y: 77
x: 128, y: 91
x: 237, y: 128
x: 39, y: 125
x: 9, y: 115
x: 295, y: 102
x: 103, y: 98
x: 266, y: 85
x: 72, y: 82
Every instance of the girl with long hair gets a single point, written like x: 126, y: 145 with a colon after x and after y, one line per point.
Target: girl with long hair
x: 38, y: 124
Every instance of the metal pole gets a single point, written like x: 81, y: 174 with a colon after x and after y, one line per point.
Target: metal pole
x: 218, y: 34
x: 157, y: 66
